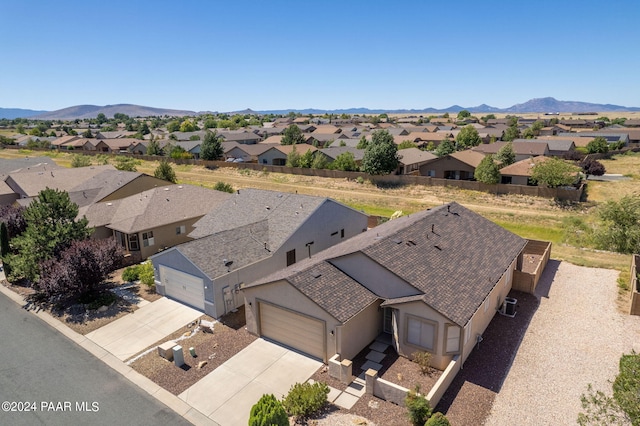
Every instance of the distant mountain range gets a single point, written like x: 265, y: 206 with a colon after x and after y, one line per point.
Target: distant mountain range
x: 540, y: 105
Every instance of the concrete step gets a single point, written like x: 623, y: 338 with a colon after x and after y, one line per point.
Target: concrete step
x: 375, y: 356
x: 378, y: 346
x: 370, y: 364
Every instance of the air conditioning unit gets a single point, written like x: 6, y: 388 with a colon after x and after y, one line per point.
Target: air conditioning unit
x: 508, y: 307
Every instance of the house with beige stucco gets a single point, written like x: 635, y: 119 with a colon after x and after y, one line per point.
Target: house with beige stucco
x: 432, y: 281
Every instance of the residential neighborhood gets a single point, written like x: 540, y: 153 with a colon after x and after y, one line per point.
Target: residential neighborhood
x: 350, y: 299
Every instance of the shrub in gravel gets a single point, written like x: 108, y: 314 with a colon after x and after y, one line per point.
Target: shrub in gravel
x: 268, y: 411
x: 305, y: 399
x: 438, y: 419
x: 131, y: 273
x: 423, y: 359
x: 418, y: 408
x: 145, y: 272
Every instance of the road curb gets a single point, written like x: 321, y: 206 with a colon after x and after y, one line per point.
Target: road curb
x: 167, y: 398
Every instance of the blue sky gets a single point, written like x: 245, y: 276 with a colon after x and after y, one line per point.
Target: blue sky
x: 231, y: 55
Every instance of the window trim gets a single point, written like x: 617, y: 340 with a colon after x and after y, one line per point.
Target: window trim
x: 425, y: 321
x: 181, y: 229
x: 147, y: 239
x: 448, y: 326
x: 134, y: 242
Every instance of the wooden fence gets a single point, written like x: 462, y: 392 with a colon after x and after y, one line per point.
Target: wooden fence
x: 634, y: 309
x: 574, y: 194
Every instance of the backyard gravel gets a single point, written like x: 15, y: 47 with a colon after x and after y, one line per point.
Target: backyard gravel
x: 575, y: 338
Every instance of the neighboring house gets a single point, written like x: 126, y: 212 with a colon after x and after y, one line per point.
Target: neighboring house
x: 57, y: 143
x: 411, y: 159
x: 115, y: 145
x: 83, y: 144
x: 519, y: 173
x: 252, y: 234
x: 241, y: 137
x: 459, y: 165
x: 247, y: 153
x: 611, y: 137
x: 21, y: 165
x: 333, y: 152
x: 432, y: 281
x: 351, y: 142
x: 152, y: 220
x: 327, y: 128
x: 277, y: 154
x: 524, y: 148
x: 114, y: 135
x: 557, y: 147
x: 85, y: 187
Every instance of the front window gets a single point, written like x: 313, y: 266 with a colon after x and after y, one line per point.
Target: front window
x: 453, y: 338
x: 421, y: 333
x: 133, y: 242
x: 147, y: 239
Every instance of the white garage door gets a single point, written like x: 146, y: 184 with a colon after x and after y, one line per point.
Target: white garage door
x: 186, y: 288
x: 292, y: 329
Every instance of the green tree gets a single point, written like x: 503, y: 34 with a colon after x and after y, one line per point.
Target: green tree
x: 80, y: 161
x: 619, y: 227
x: 468, y: 138
x: 511, y: 133
x: 305, y: 399
x: 506, y: 155
x: 187, y: 126
x: 445, y: 147
x: 51, y: 226
x: 293, y: 158
x: 463, y: 114
x: 554, y: 172
x: 598, y: 145
x: 345, y: 162
x: 154, y: 148
x: 306, y: 159
x: 211, y: 148
x: 127, y: 164
x: 488, y: 117
x: 101, y: 118
x: 292, y: 135
x: 363, y: 143
x: 268, y: 411
x: 407, y: 144
x: 173, y: 126
x: 87, y: 134
x: 178, y: 152
x: 487, y: 171
x: 165, y: 172
x: 319, y: 161
x: 381, y: 156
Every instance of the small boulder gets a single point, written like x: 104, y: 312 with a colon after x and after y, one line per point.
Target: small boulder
x: 202, y: 364
x: 103, y: 308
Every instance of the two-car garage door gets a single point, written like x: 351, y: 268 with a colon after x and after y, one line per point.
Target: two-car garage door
x: 295, y: 330
x: 186, y: 288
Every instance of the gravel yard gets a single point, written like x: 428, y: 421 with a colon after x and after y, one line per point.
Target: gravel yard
x: 575, y: 337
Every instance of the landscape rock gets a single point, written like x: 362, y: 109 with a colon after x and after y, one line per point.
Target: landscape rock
x: 202, y: 364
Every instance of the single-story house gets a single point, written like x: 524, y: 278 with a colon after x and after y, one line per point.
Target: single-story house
x: 519, y: 173
x: 432, y: 281
x: 557, y: 147
x: 277, y: 154
x: 241, y: 137
x: 523, y: 148
x: 411, y: 159
x: 152, y: 220
x: 248, y: 153
x: 251, y: 235
x: 333, y: 152
x: 459, y: 165
x: 115, y: 145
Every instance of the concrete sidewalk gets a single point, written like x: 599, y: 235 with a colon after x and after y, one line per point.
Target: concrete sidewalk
x: 152, y: 322
x: 227, y: 394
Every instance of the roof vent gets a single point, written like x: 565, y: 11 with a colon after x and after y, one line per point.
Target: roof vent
x: 316, y: 274
x: 438, y: 247
x: 397, y: 240
x: 268, y: 208
x: 166, y: 189
x: 411, y: 243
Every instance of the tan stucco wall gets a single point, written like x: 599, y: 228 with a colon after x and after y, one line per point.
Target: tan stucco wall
x: 359, y: 331
x: 481, y: 319
x: 445, y: 164
x: 165, y: 237
x: 379, y: 280
x: 422, y: 311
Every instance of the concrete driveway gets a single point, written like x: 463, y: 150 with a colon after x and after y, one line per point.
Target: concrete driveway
x: 227, y: 394
x: 132, y: 333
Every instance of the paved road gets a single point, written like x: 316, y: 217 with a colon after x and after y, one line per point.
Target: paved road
x: 62, y: 383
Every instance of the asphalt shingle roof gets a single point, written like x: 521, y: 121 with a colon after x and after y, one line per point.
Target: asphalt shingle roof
x: 455, y: 266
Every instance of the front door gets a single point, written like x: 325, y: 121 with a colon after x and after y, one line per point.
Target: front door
x: 387, y: 325
x: 229, y: 299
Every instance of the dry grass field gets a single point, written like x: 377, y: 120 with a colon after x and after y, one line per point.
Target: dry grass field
x: 529, y: 217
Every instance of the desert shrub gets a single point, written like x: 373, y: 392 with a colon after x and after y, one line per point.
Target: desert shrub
x: 93, y: 302
x: 418, y: 408
x: 224, y: 187
x: 305, y: 399
x: 268, y: 411
x: 81, y: 161
x: 131, y: 273
x: 146, y: 274
x: 423, y: 359
x: 360, y: 180
x: 438, y: 419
